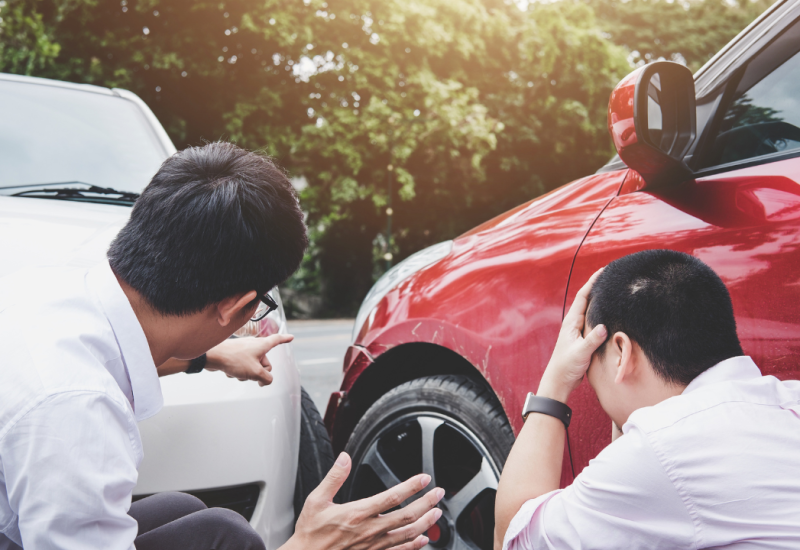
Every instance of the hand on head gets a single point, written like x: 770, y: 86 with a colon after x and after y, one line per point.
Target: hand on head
x: 573, y: 352
x: 363, y: 525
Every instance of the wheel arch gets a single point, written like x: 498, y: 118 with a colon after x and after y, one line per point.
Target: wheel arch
x: 400, y: 364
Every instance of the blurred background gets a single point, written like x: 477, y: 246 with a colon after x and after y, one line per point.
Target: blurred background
x: 402, y: 123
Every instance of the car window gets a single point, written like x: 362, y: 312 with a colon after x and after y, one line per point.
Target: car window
x: 50, y: 134
x: 763, y: 114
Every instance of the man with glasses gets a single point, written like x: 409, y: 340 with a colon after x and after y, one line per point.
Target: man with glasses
x: 215, y: 229
x: 240, y: 358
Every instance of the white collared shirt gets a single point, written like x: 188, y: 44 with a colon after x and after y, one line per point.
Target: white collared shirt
x: 717, y: 466
x: 76, y: 375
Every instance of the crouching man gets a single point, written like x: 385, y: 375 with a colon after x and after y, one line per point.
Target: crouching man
x: 711, y: 448
x: 212, y: 233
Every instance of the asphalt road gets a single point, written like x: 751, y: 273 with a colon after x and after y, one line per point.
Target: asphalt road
x: 319, y: 348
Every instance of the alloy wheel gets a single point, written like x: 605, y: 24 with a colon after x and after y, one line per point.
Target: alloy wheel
x: 456, y: 460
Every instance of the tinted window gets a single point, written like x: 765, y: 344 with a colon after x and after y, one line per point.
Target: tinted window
x: 763, y: 116
x: 50, y: 134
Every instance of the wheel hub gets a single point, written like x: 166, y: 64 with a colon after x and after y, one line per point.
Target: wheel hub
x: 439, y: 534
x: 456, y: 460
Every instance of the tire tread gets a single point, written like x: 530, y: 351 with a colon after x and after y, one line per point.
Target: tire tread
x: 458, y: 395
x: 315, y: 453
x: 465, y: 387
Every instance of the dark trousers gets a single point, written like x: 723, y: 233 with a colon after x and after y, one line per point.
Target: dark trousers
x: 177, y: 521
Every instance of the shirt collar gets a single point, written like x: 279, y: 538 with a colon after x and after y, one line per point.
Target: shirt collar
x: 735, y: 368
x: 146, y: 389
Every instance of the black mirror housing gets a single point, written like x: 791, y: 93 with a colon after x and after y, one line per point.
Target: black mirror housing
x: 652, y: 121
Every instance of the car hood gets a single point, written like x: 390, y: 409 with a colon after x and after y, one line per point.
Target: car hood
x: 597, y: 187
x: 41, y: 232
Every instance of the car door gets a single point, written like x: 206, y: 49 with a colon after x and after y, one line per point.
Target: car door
x: 740, y: 215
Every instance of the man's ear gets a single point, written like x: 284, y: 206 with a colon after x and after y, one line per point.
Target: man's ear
x: 231, y: 308
x: 623, y: 349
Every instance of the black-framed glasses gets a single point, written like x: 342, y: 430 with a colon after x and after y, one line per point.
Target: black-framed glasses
x: 266, y: 305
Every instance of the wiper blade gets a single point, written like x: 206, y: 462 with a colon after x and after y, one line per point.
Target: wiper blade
x: 106, y: 194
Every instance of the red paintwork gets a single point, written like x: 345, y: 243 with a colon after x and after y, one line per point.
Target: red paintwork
x: 330, y: 412
x: 620, y: 113
x: 470, y: 301
x: 498, y: 299
x: 745, y: 224
x: 356, y: 360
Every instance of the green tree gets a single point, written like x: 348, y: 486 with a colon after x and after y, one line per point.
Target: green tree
x: 689, y: 30
x: 476, y: 105
x: 26, y: 45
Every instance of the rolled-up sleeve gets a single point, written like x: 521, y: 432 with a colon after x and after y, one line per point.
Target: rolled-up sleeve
x: 70, y: 467
x: 623, y: 499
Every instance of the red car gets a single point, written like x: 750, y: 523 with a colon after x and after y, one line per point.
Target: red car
x: 449, y: 342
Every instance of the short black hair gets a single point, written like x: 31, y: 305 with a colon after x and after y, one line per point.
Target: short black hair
x: 673, y: 306
x: 214, y: 221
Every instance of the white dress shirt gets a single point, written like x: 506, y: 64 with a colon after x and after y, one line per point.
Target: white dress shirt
x: 76, y: 376
x: 717, y: 466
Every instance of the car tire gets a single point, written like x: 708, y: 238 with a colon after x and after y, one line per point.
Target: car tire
x: 451, y: 427
x: 315, y: 455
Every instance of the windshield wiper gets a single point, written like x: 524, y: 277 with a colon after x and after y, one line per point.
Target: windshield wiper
x: 91, y: 194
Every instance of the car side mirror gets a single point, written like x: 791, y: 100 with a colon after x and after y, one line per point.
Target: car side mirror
x: 651, y: 118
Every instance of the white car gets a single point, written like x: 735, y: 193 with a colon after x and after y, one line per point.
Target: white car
x: 73, y: 159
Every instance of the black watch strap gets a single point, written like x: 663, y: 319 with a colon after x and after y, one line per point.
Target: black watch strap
x: 545, y: 405
x: 197, y: 364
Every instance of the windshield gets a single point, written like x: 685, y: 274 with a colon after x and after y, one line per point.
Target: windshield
x: 51, y: 135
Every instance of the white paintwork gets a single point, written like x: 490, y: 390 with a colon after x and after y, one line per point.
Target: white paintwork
x: 56, y: 83
x: 151, y: 118
x: 155, y: 125
x: 218, y: 432
x: 213, y: 431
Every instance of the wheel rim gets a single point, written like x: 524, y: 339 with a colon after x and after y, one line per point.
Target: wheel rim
x: 456, y: 460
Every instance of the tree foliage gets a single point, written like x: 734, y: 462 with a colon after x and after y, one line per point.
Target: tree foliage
x: 450, y: 111
x: 26, y: 44
x: 690, y: 31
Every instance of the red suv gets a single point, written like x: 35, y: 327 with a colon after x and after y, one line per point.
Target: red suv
x: 448, y: 343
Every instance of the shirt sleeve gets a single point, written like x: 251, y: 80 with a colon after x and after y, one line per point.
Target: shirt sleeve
x: 623, y: 499
x: 70, y: 469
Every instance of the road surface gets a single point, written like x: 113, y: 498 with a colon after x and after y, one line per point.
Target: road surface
x: 319, y: 348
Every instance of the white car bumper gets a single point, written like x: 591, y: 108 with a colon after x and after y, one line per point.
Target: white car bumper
x: 215, y: 432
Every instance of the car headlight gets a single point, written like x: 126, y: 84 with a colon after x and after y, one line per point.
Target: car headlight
x: 271, y: 324
x: 397, y: 274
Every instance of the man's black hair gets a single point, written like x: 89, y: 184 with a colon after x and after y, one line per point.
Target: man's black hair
x: 673, y: 306
x: 214, y: 221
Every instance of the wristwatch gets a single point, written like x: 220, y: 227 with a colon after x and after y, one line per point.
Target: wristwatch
x: 545, y: 405
x: 197, y: 364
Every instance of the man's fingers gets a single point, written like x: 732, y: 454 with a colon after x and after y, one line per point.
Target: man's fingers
x: 578, y: 307
x: 410, y: 533
x: 269, y: 342
x: 582, y: 297
x: 414, y: 511
x: 264, y: 378
x: 396, y: 495
x: 265, y: 374
x: 595, y: 338
x: 336, y: 477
